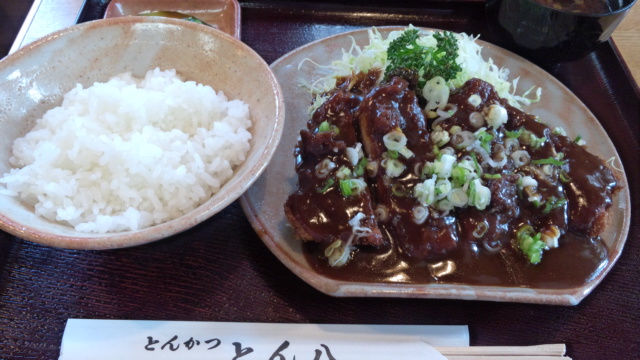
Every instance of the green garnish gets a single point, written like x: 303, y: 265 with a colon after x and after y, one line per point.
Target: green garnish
x: 405, y: 52
x: 324, y: 127
x: 398, y: 190
x: 393, y: 154
x: 552, y: 203
x: 492, y: 176
x: 485, y: 139
x: 360, y: 167
x: 459, y: 175
x: 343, y: 172
x: 476, y: 164
x: 564, y: 177
x: 345, y: 187
x: 350, y: 187
x: 530, y: 244
x: 532, y: 139
x: 174, y: 15
x: 513, y: 134
x: 577, y: 139
x: 549, y: 160
x: 325, y: 187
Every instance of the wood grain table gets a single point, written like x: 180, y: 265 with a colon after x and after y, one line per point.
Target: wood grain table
x: 221, y: 271
x: 627, y: 39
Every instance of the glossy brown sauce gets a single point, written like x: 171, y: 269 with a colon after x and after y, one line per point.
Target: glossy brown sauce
x: 444, y: 249
x: 575, y: 262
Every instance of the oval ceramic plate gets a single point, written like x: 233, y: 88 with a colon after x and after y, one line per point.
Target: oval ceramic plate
x: 263, y: 202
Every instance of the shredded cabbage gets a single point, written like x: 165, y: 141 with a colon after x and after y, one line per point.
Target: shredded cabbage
x: 374, y: 55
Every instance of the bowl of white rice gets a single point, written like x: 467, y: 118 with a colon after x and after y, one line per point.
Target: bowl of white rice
x: 118, y: 132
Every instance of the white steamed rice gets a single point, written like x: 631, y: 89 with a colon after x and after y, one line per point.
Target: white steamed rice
x: 129, y: 153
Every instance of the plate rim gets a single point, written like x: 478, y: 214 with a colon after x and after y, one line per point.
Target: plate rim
x: 340, y: 288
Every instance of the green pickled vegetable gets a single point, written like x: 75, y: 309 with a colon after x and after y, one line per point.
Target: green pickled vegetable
x: 174, y: 15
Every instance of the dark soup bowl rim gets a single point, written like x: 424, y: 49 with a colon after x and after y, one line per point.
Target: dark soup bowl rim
x: 579, y: 13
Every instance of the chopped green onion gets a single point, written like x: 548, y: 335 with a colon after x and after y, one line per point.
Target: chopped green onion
x: 440, y: 138
x: 532, y: 139
x: 395, y: 140
x: 530, y: 243
x: 352, y: 186
x: 425, y: 192
x: 360, y: 167
x: 345, y: 187
x: 398, y: 190
x: 393, y: 154
x: 479, y: 195
x: 393, y: 167
x: 334, y: 129
x: 337, y: 255
x: 553, y: 203
x: 485, y: 139
x: 549, y: 205
x: 443, y: 165
x: 476, y: 164
x: 325, y: 187
x: 343, y: 172
x: 481, y: 229
x: 458, y: 197
x: 324, y: 127
x: 525, y: 230
x: 549, y: 160
x: 427, y: 170
x: 559, y: 131
x: 406, y: 152
x: 577, y: 139
x: 492, y: 176
x: 443, y: 187
x: 333, y: 246
x: 513, y: 134
x: 564, y: 177
x: 459, y: 175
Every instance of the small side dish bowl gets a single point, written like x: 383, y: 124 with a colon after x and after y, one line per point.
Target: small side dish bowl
x: 35, y: 78
x: 554, y: 31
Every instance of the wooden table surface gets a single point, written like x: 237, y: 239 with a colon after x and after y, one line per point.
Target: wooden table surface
x: 627, y: 39
x: 221, y: 271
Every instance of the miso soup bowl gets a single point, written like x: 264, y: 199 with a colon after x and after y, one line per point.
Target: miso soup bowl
x: 35, y: 78
x: 548, y: 32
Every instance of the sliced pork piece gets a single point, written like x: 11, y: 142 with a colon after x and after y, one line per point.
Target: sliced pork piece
x: 419, y: 231
x: 589, y: 187
x: 392, y: 110
x: 491, y: 227
x: 386, y: 108
x: 319, y: 210
x: 337, y: 112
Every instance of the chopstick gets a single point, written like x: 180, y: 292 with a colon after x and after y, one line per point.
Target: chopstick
x: 535, y: 352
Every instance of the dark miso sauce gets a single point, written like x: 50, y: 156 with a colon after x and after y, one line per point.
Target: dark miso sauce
x: 576, y: 261
x: 451, y: 246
